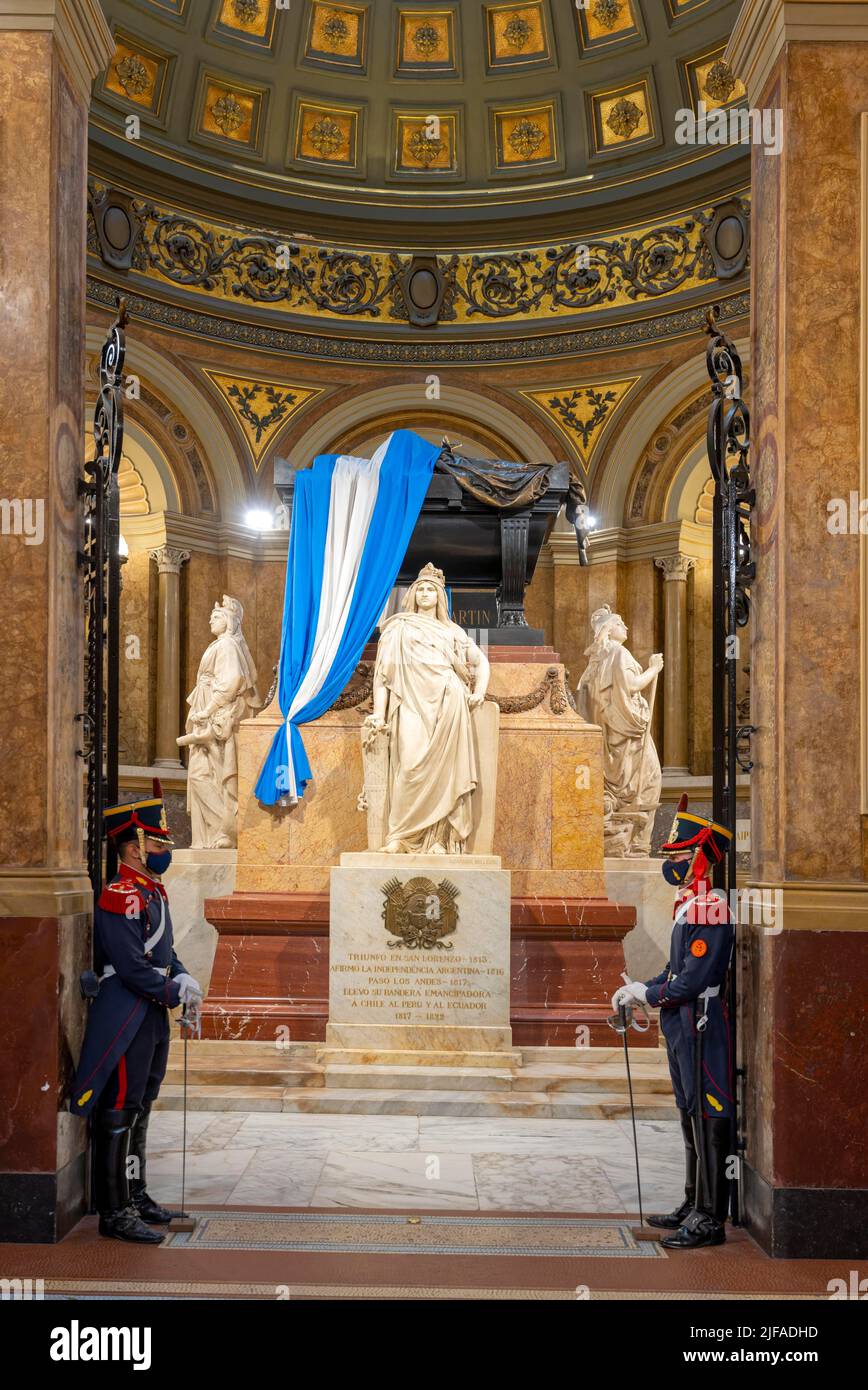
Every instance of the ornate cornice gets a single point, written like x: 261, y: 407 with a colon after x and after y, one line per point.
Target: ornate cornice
x: 79, y: 28
x: 765, y: 27
x: 247, y: 268
x: 428, y: 351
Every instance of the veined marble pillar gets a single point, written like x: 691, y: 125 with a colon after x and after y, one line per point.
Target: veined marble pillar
x: 675, y: 661
x: 169, y: 561
x: 802, y: 978
x: 49, y: 54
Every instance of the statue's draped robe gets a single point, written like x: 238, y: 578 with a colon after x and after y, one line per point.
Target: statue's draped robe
x: 227, y: 678
x: 432, y: 764
x: 631, y: 768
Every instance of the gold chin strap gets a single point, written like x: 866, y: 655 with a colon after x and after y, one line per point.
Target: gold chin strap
x: 140, y: 836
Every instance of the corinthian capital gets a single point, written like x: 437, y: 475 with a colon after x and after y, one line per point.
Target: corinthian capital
x: 675, y: 566
x: 169, y: 560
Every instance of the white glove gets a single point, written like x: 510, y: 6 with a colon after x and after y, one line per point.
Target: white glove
x: 633, y: 993
x: 191, y: 990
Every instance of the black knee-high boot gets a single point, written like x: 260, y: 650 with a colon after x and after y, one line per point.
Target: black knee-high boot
x: 116, y: 1217
x: 717, y: 1142
x: 149, y: 1210
x: 673, y: 1219
x: 707, y: 1224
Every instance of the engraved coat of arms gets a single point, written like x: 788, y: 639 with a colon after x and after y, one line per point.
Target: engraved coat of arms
x: 420, y: 913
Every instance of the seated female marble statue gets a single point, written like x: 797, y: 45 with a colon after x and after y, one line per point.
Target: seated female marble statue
x: 428, y: 678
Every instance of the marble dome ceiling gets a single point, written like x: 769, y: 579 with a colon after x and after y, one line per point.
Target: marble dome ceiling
x: 397, y: 117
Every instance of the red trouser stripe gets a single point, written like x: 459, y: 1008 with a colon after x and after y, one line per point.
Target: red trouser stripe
x: 122, y: 1084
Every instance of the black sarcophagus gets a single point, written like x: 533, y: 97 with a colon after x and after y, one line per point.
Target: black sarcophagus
x: 484, y: 522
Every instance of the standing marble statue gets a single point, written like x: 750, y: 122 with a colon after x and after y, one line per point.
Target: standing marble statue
x: 225, y: 693
x: 428, y: 678
x: 610, y: 694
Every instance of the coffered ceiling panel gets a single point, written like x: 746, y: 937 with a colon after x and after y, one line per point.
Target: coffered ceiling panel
x: 245, y: 22
x: 518, y: 37
x: 336, y: 37
x: 480, y: 112
x: 426, y: 42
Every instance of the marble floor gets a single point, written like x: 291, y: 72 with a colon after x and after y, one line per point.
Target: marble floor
x: 433, y: 1163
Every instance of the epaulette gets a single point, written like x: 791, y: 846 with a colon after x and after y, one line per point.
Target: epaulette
x: 117, y: 897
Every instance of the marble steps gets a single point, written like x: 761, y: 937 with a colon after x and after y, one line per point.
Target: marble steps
x: 599, y: 1105
x: 570, y: 1083
x: 256, y: 1054
x: 274, y: 1070
x: 533, y: 1078
x: 214, y: 1073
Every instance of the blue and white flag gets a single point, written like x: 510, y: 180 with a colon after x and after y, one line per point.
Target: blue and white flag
x: 352, y: 520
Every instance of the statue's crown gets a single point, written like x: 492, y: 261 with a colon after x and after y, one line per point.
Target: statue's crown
x: 433, y: 575
x: 600, y: 618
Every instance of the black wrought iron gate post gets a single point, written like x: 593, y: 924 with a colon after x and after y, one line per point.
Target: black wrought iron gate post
x: 728, y: 442
x: 100, y: 564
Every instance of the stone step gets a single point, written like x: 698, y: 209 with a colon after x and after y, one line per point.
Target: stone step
x: 536, y: 1077
x: 242, y: 1074
x: 218, y: 1049
x: 265, y: 1053
x: 418, y: 1078
x: 252, y: 1099
x: 607, y: 1077
x: 370, y: 1101
x: 490, y: 1061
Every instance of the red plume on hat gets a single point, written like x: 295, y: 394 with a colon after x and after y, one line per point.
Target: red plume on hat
x: 157, y: 789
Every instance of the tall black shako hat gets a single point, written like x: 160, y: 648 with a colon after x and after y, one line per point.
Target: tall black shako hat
x: 136, y: 819
x: 697, y: 832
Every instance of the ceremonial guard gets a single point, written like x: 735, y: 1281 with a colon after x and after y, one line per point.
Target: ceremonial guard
x: 691, y: 996
x: 136, y: 979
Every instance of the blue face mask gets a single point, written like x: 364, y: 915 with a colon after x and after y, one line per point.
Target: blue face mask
x: 675, y: 871
x: 158, y: 861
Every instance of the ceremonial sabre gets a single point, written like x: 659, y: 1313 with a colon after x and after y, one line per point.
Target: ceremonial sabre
x: 189, y: 1023
x: 621, y: 1022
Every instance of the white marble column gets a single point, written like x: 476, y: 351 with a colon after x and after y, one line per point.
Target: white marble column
x: 169, y: 561
x: 675, y: 661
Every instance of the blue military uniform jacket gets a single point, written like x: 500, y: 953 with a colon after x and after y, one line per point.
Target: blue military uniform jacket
x: 690, y: 986
x: 135, y: 959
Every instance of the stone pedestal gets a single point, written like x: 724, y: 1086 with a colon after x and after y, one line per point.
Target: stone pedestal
x: 418, y: 957
x: 640, y: 883
x: 197, y: 874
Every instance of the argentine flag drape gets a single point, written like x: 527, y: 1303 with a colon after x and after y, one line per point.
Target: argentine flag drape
x: 352, y: 520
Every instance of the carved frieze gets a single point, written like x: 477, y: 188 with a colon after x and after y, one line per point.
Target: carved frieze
x: 547, y: 282
x: 342, y: 347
